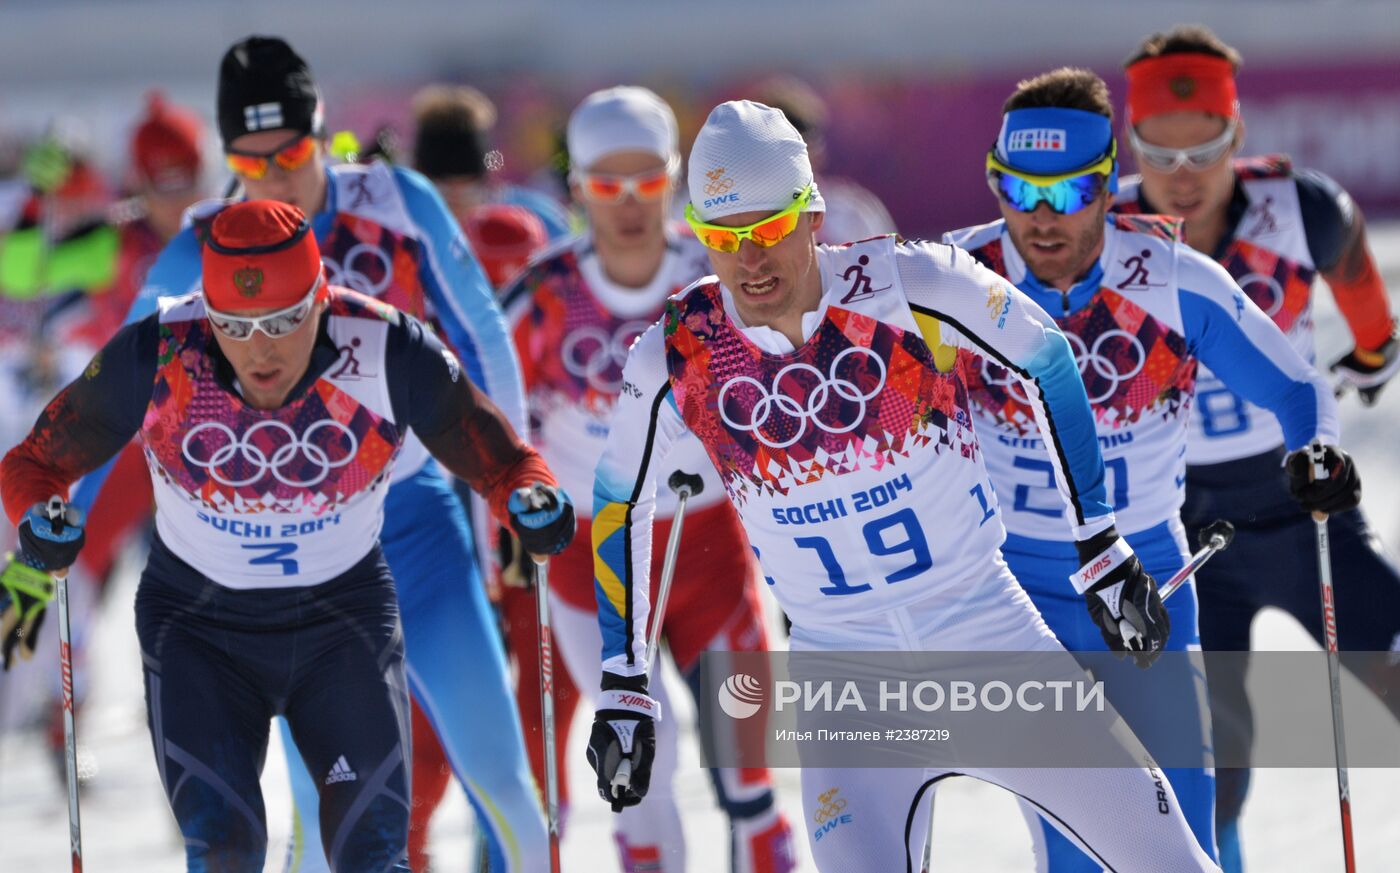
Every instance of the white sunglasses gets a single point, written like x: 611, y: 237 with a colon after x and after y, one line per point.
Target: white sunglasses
x: 275, y: 324
x: 1195, y: 158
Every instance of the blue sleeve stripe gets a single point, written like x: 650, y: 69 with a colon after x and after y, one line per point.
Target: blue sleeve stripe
x: 464, y: 301
x: 1077, y: 452
x: 1224, y: 345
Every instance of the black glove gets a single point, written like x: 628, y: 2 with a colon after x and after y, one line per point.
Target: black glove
x: 1122, y: 598
x: 1368, y: 371
x: 1323, y: 479
x: 25, y: 593
x: 543, y: 518
x: 623, y: 738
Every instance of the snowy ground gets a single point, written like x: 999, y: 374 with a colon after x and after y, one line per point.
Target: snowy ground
x: 1290, y: 823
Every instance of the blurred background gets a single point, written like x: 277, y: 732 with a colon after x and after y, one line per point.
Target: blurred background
x: 912, y: 88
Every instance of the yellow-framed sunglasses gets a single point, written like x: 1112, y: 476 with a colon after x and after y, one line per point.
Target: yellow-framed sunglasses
x: 764, y: 234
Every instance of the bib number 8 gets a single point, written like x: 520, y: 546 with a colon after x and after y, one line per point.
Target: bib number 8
x: 1222, y: 412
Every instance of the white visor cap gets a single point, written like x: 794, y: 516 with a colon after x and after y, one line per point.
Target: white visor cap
x: 748, y: 158
x: 621, y: 119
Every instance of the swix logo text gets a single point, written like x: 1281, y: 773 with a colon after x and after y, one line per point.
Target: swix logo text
x: 637, y: 700
x: 1091, y: 572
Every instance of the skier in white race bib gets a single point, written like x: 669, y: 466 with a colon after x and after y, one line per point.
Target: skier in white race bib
x: 812, y: 375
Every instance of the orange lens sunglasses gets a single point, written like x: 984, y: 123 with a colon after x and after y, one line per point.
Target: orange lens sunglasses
x: 605, y: 188
x: 290, y: 156
x: 764, y: 234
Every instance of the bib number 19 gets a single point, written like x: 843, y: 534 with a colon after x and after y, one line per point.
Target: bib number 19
x: 892, y: 535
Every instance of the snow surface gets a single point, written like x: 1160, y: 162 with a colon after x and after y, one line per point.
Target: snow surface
x: 1290, y: 821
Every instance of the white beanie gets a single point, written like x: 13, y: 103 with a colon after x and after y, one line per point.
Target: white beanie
x: 625, y: 118
x: 748, y: 158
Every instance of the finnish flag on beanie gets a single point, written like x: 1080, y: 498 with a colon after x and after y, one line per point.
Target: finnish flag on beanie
x: 748, y: 158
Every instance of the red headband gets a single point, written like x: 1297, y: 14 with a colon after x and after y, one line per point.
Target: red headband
x: 260, y: 254
x: 1181, y: 82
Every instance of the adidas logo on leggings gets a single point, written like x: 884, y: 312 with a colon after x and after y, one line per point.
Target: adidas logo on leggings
x: 341, y: 772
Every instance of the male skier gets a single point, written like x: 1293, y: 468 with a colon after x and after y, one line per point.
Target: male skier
x: 1139, y: 308
x: 266, y: 592
x: 812, y: 373
x: 574, y: 313
x: 384, y: 231
x: 1275, y: 228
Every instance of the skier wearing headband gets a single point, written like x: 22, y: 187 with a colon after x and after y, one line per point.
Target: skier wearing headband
x: 1139, y: 309
x: 1276, y: 228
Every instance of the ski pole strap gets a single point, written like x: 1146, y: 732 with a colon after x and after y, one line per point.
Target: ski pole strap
x: 1101, y: 565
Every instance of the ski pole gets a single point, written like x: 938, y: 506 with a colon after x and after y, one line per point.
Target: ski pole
x: 551, y: 773
x: 538, y: 498
x: 70, y: 734
x: 685, y: 486
x: 1334, y: 677
x: 1214, y: 537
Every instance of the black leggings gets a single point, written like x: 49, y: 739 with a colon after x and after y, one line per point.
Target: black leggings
x: 1273, y: 562
x: 220, y: 663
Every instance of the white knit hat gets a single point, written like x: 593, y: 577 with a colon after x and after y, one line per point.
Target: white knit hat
x: 625, y: 118
x: 748, y: 158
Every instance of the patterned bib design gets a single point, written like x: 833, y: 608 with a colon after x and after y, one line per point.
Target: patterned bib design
x: 1131, y: 363
x: 319, y: 452
x: 576, y: 348
x: 858, y: 393
x: 364, y: 256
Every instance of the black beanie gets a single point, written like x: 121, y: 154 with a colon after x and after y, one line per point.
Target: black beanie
x: 264, y: 85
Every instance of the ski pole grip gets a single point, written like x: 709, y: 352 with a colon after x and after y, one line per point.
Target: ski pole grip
x: 55, y: 511
x: 1217, y: 535
x: 685, y: 484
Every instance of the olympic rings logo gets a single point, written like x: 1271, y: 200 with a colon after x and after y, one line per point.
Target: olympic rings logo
x: 591, y: 354
x: 1085, y: 358
x: 817, y: 399
x: 282, y: 464
x: 347, y: 273
x: 1256, y: 285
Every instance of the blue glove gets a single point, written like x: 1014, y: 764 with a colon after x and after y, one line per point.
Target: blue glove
x: 543, y: 518
x: 51, y: 535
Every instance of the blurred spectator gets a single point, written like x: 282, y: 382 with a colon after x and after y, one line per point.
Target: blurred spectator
x: 451, y: 146
x: 852, y: 211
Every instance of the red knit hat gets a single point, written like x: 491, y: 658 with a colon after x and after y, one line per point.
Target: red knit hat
x: 504, y: 237
x: 260, y: 254
x: 165, y: 149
